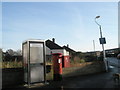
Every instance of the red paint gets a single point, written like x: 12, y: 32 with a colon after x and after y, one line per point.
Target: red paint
x: 66, y: 61
x: 57, y: 63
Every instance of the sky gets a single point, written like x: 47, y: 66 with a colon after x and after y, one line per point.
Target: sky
x: 70, y: 23
x: 119, y: 25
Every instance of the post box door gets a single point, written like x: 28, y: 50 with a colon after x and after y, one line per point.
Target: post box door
x: 36, y: 62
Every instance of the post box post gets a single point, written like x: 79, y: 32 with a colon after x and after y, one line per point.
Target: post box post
x: 57, y: 66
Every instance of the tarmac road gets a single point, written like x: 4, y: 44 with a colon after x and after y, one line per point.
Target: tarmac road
x: 114, y: 62
x: 0, y: 79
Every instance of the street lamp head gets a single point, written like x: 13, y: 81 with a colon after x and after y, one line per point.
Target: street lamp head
x: 97, y: 17
x: 96, y: 21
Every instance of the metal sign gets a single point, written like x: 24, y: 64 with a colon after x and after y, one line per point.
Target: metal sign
x: 102, y: 40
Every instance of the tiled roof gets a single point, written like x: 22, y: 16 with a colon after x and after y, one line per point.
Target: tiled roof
x: 51, y: 45
x: 69, y: 49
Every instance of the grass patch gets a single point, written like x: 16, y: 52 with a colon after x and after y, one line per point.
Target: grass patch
x: 0, y: 64
x: 49, y: 76
x: 12, y: 64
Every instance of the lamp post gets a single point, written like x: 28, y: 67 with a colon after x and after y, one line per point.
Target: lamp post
x: 101, y: 38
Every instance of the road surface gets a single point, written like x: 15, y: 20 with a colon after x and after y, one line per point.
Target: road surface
x: 114, y: 62
x: 0, y: 79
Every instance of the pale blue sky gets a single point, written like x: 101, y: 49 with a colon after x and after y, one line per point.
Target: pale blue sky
x: 68, y: 22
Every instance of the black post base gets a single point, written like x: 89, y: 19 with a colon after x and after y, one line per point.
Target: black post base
x: 57, y: 77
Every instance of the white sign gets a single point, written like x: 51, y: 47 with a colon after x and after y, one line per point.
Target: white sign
x: 36, y: 45
x: 59, y: 60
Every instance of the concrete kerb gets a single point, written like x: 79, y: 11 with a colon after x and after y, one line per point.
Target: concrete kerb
x: 36, y: 85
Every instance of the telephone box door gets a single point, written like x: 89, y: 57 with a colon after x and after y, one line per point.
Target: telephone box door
x: 36, y: 62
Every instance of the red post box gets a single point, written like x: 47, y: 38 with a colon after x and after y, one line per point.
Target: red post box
x: 57, y: 66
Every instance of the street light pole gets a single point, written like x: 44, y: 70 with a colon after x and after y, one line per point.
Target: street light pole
x: 104, y: 56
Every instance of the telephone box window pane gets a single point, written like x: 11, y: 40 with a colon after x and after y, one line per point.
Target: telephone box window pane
x: 25, y: 53
x: 36, y: 53
x: 25, y: 62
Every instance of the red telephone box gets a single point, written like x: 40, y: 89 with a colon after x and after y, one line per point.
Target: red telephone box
x: 57, y: 66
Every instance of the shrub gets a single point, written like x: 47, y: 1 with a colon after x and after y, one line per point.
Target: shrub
x: 12, y: 64
x: 89, y: 58
x: 82, y: 61
x: 77, y: 60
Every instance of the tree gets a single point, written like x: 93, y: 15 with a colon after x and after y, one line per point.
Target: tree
x: 10, y: 52
x: 19, y: 52
x: 1, y: 54
x: 8, y: 55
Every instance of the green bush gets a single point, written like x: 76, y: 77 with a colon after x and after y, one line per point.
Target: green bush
x: 77, y: 59
x: 82, y: 61
x: 0, y: 56
x: 12, y: 64
x: 89, y: 58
